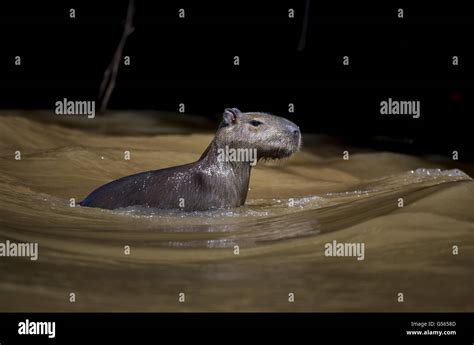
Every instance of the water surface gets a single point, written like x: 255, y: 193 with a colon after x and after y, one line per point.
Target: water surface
x: 294, y: 208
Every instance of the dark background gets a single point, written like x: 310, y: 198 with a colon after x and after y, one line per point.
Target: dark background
x: 191, y: 61
x: 238, y: 328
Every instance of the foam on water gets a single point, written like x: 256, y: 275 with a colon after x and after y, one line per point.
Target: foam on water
x: 260, y: 220
x: 281, y: 246
x: 261, y: 208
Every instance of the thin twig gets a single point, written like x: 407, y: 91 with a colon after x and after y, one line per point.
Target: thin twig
x: 110, y: 74
x: 304, y: 29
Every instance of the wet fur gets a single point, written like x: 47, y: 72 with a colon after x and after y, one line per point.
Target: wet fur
x: 207, y: 183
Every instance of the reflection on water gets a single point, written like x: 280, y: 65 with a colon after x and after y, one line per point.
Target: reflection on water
x: 248, y: 258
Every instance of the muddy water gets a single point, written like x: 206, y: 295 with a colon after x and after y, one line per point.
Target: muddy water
x: 294, y: 208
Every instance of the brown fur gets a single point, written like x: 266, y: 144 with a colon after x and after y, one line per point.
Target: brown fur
x: 208, y: 183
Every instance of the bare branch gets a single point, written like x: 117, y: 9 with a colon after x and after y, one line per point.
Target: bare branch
x: 304, y: 29
x: 110, y: 74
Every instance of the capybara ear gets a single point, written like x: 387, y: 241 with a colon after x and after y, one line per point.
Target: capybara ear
x: 230, y: 115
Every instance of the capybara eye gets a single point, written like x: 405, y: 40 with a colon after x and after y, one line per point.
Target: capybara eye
x: 255, y: 123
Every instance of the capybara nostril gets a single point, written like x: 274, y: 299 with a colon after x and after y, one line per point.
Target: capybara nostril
x: 295, y: 130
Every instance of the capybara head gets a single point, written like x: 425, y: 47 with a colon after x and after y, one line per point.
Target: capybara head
x: 272, y: 136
